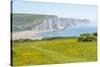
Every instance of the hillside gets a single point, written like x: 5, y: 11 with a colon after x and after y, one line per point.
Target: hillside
x: 27, y: 21
x: 22, y: 22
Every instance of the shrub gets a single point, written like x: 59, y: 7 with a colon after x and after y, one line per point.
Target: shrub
x: 88, y: 37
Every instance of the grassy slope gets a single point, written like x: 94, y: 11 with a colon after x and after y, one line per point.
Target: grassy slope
x: 53, y: 51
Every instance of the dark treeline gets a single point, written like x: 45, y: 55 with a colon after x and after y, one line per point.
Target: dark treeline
x: 44, y: 39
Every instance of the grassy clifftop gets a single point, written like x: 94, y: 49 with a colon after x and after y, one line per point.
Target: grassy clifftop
x: 64, y: 50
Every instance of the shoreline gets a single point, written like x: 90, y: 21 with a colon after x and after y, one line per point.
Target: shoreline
x: 27, y: 34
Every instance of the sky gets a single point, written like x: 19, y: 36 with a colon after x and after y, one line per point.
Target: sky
x: 58, y: 9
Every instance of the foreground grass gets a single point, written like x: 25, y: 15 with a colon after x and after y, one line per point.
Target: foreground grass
x: 64, y: 50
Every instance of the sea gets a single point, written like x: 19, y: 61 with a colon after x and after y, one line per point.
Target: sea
x: 73, y: 31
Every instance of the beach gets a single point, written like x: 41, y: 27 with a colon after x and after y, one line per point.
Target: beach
x: 28, y: 34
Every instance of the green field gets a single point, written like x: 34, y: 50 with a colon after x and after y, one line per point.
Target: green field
x: 54, y: 51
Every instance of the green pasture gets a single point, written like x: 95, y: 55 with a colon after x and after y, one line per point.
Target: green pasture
x: 53, y: 51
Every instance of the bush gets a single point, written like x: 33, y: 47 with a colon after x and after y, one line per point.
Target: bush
x: 88, y: 37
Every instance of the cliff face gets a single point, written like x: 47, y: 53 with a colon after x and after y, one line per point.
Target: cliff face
x: 55, y: 23
x: 28, y: 26
x: 23, y: 22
